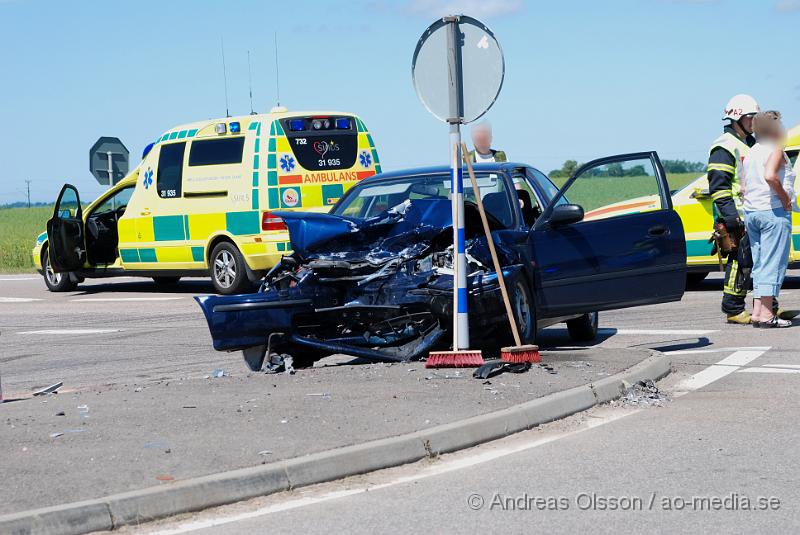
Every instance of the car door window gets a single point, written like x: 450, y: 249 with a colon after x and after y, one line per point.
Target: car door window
x: 69, y: 205
x: 616, y: 189
x: 550, y: 190
x: 115, y: 203
x: 529, y: 203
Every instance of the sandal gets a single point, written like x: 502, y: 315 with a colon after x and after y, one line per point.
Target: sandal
x: 774, y: 323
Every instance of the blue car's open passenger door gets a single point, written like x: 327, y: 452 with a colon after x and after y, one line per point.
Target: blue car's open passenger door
x: 609, y: 239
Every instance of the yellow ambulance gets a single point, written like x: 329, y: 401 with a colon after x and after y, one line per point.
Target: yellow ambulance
x: 200, y: 202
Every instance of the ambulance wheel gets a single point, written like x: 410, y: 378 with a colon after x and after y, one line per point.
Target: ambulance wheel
x: 166, y: 281
x: 584, y: 328
x: 228, y: 270
x: 55, y: 282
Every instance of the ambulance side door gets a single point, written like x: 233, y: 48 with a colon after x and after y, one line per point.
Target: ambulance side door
x: 66, y: 232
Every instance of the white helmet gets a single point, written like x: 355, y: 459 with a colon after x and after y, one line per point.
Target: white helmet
x: 739, y: 106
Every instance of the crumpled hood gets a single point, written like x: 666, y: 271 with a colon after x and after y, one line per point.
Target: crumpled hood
x: 395, y: 229
x: 307, y: 229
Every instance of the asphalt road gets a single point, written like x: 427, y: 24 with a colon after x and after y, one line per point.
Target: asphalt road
x: 722, y: 446
x: 731, y: 436
x: 139, y: 406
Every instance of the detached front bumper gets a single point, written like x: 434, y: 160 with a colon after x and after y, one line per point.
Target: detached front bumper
x: 242, y: 321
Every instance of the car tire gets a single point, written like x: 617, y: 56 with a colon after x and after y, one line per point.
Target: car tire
x: 584, y: 328
x: 166, y: 281
x: 228, y: 270
x: 55, y: 282
x: 694, y: 279
x: 524, y: 312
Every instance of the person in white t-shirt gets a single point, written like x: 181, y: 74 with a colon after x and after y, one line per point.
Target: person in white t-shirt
x: 769, y: 198
x: 482, y: 143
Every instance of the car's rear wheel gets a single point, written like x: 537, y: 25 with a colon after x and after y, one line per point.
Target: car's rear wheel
x: 228, y: 270
x: 693, y: 279
x: 55, y: 282
x: 166, y: 281
x: 584, y: 328
x: 524, y: 312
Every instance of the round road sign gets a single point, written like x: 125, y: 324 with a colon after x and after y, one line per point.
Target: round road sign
x: 481, y: 64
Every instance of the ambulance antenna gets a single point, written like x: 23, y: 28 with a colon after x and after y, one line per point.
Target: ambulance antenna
x: 250, y: 81
x: 224, y: 75
x: 277, y: 72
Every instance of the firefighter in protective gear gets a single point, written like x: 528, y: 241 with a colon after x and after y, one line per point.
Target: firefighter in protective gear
x: 724, y: 181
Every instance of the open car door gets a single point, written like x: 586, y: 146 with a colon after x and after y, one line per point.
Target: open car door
x: 610, y: 239
x: 65, y: 232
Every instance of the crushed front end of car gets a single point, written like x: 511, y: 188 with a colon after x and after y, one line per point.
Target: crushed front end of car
x: 379, y: 288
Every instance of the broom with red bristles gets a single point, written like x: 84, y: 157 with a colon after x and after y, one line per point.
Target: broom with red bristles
x: 460, y: 358
x: 517, y: 353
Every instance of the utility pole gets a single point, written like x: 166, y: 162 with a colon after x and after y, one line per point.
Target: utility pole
x: 28, y: 183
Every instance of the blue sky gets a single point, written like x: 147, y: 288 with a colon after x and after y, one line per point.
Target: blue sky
x: 583, y: 78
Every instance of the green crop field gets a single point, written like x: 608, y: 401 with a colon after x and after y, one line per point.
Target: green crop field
x: 594, y: 192
x: 18, y: 230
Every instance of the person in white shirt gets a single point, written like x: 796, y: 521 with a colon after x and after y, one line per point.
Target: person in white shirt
x: 482, y: 141
x: 769, y: 198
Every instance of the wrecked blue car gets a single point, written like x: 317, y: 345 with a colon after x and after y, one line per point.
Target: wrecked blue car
x: 374, y: 278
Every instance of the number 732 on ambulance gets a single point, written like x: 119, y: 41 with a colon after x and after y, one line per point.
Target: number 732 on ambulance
x: 200, y: 202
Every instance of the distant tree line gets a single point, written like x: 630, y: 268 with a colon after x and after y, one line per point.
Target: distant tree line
x: 670, y: 166
x: 24, y: 204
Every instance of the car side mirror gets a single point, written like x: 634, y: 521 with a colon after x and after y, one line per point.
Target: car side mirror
x: 565, y: 214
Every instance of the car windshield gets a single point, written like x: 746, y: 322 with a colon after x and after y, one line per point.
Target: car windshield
x: 372, y: 199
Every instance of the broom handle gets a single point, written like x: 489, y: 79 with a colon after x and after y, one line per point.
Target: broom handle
x: 490, y: 241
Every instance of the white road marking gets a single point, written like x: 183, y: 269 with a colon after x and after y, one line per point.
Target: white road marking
x: 687, y: 332
x: 18, y: 299
x: 792, y: 366
x: 9, y: 279
x: 715, y: 350
x: 768, y: 370
x: 118, y: 299
x: 719, y: 370
x: 72, y: 331
x: 459, y: 461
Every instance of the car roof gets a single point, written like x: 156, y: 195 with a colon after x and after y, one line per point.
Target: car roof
x: 497, y: 167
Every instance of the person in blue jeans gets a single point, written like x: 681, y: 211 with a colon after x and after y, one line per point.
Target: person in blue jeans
x: 769, y: 198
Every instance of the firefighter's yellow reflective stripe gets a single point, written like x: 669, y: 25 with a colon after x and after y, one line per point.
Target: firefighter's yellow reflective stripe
x: 722, y: 167
x: 722, y: 194
x: 730, y: 282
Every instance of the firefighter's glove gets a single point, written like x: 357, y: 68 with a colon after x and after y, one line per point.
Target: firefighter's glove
x: 734, y: 226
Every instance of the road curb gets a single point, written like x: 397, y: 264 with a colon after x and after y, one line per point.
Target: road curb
x: 228, y: 487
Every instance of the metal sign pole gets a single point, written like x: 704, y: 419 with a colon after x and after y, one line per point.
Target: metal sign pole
x: 456, y: 101
x: 111, y: 177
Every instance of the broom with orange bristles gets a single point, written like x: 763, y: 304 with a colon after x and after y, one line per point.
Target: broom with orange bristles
x: 517, y: 353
